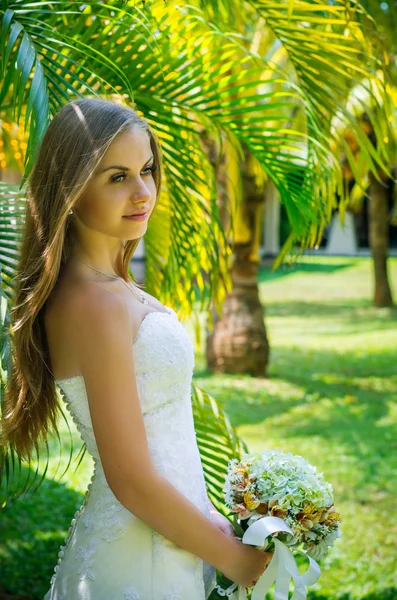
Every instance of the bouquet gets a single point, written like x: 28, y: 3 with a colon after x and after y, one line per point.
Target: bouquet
x: 281, y: 502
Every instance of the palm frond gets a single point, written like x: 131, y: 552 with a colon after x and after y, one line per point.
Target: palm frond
x: 332, y: 48
x: 20, y: 64
x: 218, y: 443
x: 12, y: 218
x: 39, y: 71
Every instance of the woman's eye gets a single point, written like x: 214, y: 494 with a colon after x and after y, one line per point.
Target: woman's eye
x: 116, y: 177
x: 150, y: 169
x: 147, y: 171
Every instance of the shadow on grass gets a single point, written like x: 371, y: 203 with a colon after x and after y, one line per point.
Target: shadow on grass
x: 385, y: 594
x: 32, y: 529
x: 266, y: 274
x: 320, y: 395
x: 344, y: 310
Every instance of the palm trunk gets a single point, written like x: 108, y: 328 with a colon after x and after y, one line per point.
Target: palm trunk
x: 379, y: 240
x: 238, y: 342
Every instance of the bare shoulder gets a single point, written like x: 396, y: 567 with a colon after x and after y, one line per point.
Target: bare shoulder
x: 93, y: 300
x: 98, y: 315
x: 70, y: 299
x: 73, y: 315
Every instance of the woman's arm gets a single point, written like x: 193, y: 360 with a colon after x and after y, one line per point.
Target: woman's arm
x: 107, y: 363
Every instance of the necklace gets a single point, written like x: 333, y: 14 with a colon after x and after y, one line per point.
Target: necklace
x: 140, y: 295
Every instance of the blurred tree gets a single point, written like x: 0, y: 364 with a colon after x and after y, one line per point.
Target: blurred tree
x: 359, y: 178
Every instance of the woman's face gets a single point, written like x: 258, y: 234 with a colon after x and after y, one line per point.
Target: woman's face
x: 121, y: 185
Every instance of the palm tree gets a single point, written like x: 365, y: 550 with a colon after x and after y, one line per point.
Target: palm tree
x: 317, y: 46
x: 378, y: 215
x: 377, y: 190
x: 357, y: 174
x: 237, y: 342
x: 171, y: 63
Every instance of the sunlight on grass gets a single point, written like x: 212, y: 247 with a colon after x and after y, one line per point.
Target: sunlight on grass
x: 331, y: 397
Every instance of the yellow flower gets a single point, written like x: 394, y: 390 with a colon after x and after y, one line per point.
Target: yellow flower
x: 262, y: 508
x: 308, y: 517
x: 302, y: 527
x: 309, y: 509
x: 332, y: 518
x: 314, y: 514
x: 307, y: 524
x: 250, y: 501
x: 278, y: 511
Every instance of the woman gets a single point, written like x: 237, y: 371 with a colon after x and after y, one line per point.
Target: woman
x: 124, y: 363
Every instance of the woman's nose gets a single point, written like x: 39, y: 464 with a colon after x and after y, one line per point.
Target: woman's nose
x: 140, y: 191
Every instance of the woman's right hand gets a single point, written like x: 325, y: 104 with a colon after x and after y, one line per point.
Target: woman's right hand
x: 247, y: 565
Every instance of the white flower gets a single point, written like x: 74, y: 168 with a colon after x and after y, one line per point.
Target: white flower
x: 290, y: 482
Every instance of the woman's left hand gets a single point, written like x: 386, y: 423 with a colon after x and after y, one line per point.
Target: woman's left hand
x: 222, y: 523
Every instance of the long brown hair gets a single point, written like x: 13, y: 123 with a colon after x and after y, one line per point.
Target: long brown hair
x: 74, y: 143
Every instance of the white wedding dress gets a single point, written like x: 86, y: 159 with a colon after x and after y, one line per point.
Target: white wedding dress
x: 110, y: 554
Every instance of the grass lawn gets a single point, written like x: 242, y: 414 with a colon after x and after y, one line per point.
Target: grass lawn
x: 330, y: 396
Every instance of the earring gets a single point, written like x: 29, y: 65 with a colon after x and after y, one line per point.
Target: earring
x: 70, y: 212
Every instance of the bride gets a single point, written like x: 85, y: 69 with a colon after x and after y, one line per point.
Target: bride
x: 124, y: 364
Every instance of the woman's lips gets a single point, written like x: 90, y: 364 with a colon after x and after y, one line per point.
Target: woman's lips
x: 138, y: 217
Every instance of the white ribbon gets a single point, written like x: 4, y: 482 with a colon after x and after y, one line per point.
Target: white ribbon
x: 282, y: 568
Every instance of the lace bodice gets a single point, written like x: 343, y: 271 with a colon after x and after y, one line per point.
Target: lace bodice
x: 170, y: 381
x: 164, y: 363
